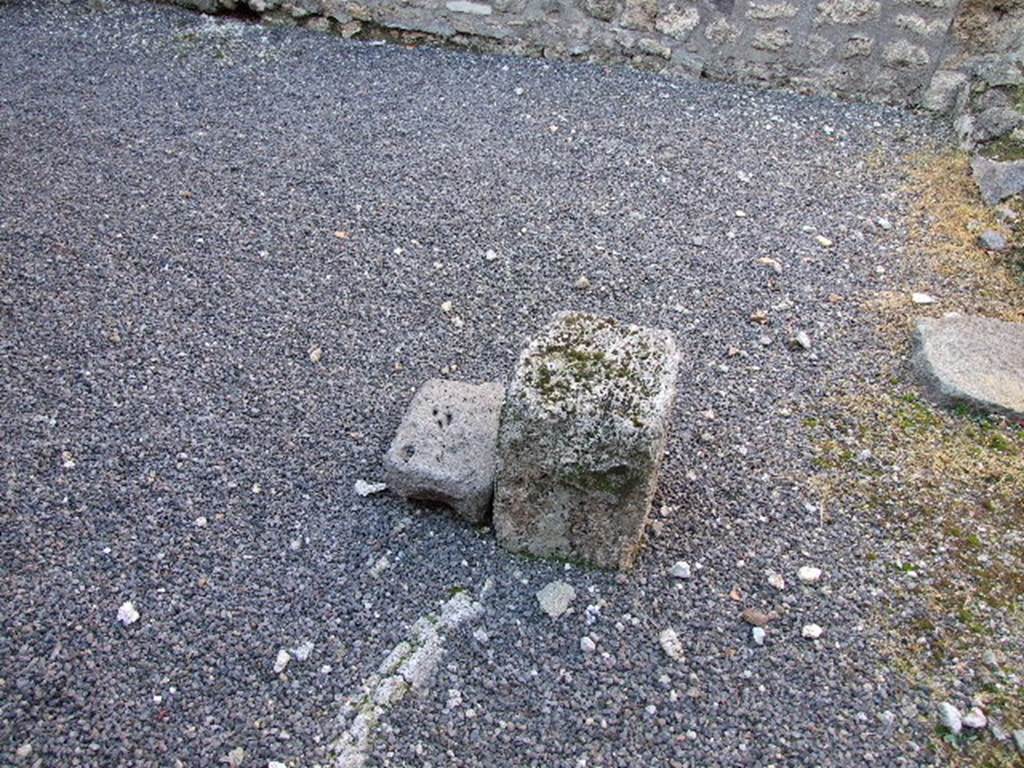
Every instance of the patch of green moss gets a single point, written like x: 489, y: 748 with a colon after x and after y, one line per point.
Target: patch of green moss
x: 617, y: 481
x: 1005, y: 149
x: 576, y: 361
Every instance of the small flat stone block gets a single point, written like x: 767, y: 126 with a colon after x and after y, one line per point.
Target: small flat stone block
x: 998, y: 180
x: 444, y: 449
x: 977, y: 362
x: 581, y: 440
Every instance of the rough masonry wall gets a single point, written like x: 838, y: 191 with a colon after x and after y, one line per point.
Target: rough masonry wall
x: 915, y: 52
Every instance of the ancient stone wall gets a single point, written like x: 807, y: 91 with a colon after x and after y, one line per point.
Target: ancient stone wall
x: 934, y: 53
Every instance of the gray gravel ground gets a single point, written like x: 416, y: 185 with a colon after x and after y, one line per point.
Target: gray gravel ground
x: 170, y: 190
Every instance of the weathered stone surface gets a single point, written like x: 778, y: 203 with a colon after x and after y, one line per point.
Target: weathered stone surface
x: 555, y: 598
x: 678, y: 23
x: 903, y: 53
x: 720, y: 31
x: 998, y: 180
x: 945, y: 91
x: 998, y: 70
x: 772, y: 40
x: 996, y: 122
x: 991, y: 240
x: 768, y: 11
x: 582, y: 435
x: 465, y: 6
x: 848, y: 11
x: 638, y: 14
x: 857, y: 46
x: 973, y: 361
x: 444, y: 448
x: 920, y: 26
x: 605, y: 10
x: 685, y: 64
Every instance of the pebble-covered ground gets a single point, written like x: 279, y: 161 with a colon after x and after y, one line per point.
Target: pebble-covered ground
x: 224, y: 251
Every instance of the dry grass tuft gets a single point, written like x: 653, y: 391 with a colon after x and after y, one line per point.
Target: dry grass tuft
x: 944, y: 257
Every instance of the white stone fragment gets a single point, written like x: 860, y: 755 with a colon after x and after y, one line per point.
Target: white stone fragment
x: 808, y: 574
x: 364, y: 488
x: 758, y: 634
x: 681, y: 570
x: 587, y: 645
x: 801, y: 341
x: 776, y: 581
x: 671, y: 645
x: 390, y: 691
x: 127, y: 614
x: 975, y: 719
x: 397, y: 655
x: 949, y: 717
x: 555, y: 597
x: 302, y: 651
x: 380, y: 565
x: 419, y: 667
x: 459, y: 609
x: 811, y: 631
x: 283, y: 657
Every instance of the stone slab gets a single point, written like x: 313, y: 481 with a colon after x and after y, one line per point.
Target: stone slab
x: 444, y: 449
x: 977, y: 362
x: 998, y: 180
x: 581, y: 440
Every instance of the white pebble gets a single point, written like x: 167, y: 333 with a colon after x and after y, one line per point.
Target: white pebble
x: 775, y: 580
x: 949, y: 716
x: 587, y: 645
x: 127, y: 614
x: 681, y: 570
x: 670, y: 644
x: 758, y: 634
x: 363, y: 488
x: 808, y: 574
x: 303, y: 650
x: 975, y: 719
x: 811, y: 631
x: 283, y: 657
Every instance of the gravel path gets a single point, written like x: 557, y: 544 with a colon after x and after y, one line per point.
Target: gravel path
x: 188, y: 207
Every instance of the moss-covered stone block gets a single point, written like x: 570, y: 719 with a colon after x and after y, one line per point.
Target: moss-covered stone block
x: 581, y: 439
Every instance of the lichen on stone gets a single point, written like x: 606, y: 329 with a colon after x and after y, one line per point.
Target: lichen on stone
x: 585, y: 362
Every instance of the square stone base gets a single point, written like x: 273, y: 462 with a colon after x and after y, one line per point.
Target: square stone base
x: 581, y: 439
